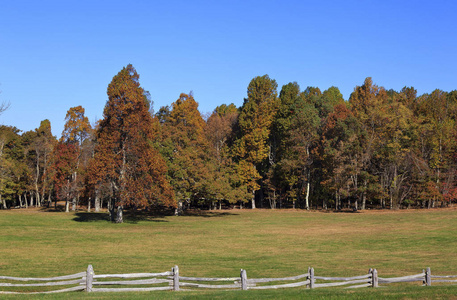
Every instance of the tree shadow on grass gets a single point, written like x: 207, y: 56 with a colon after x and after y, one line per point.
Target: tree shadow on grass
x: 343, y: 211
x: 129, y: 217
x: 142, y: 215
x: 207, y: 213
x: 91, y: 217
x: 52, y: 208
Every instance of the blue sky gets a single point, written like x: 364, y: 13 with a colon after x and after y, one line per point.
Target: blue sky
x: 59, y: 54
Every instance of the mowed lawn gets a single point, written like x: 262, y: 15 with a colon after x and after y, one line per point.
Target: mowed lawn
x: 267, y: 243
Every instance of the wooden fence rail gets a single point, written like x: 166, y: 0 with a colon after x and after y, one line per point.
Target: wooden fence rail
x: 171, y: 280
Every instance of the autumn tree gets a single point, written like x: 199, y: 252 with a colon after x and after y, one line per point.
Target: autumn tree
x: 220, y: 128
x: 252, y: 147
x: 63, y: 168
x: 39, y: 145
x: 185, y: 149
x: 393, y: 156
x: 437, y: 114
x: 124, y: 154
x: 366, y: 102
x: 76, y: 140
x: 77, y: 127
x: 337, y: 151
x: 220, y: 131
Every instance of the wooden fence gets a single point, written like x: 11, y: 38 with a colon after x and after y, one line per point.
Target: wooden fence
x: 171, y: 280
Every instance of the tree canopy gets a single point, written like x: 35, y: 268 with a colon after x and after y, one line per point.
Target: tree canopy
x: 302, y: 149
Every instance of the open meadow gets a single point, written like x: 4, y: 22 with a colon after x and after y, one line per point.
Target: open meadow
x: 266, y: 243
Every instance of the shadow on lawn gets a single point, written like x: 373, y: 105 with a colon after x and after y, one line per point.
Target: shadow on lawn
x: 206, y: 213
x: 129, y: 217
x: 341, y: 211
x: 90, y: 217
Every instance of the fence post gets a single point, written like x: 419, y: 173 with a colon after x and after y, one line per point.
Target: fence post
x: 428, y: 278
x: 311, y: 278
x: 374, y: 278
x: 175, y: 271
x: 89, y: 278
x: 244, y: 280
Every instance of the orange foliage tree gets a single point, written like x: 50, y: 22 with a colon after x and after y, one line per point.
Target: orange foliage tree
x: 124, y: 156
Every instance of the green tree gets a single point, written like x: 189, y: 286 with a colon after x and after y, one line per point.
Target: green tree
x: 252, y: 148
x: 12, y: 168
x: 39, y: 145
x: 225, y: 183
x: 185, y: 149
x: 294, y: 132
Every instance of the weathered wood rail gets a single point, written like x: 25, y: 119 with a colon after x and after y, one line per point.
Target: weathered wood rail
x: 171, y: 280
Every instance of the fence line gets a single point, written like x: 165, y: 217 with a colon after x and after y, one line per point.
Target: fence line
x: 171, y: 280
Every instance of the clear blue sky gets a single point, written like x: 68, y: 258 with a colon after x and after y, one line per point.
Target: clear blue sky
x: 59, y: 54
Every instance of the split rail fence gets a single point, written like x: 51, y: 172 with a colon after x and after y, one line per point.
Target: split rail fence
x: 171, y: 280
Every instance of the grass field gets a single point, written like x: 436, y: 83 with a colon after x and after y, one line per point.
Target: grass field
x: 266, y: 243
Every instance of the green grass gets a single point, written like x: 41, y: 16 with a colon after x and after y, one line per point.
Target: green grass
x: 266, y: 243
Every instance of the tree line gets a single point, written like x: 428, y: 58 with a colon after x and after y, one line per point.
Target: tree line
x: 302, y: 149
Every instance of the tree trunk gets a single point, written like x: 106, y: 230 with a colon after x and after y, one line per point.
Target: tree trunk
x: 336, y: 200
x: 89, y: 201
x: 73, y: 204
x: 253, y: 200
x: 179, y: 210
x: 42, y: 198
x: 37, y: 175
x: 339, y: 201
x: 111, y: 210
x: 37, y: 199
x: 364, y: 195
x: 120, y: 214
x: 67, y: 205
x: 307, y: 196
x: 97, y: 202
